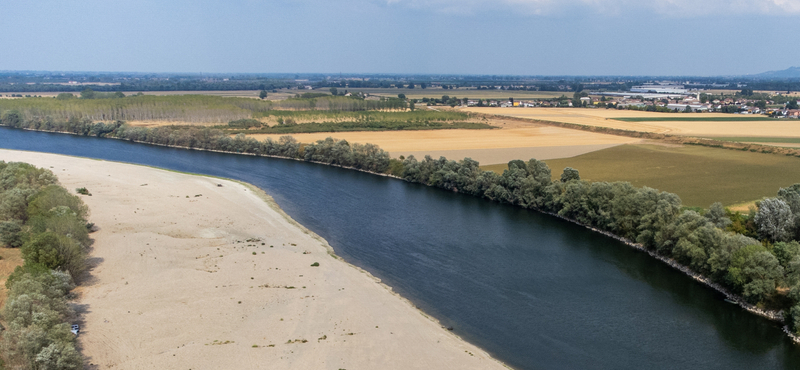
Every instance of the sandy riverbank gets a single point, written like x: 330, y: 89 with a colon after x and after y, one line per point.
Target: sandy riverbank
x: 176, y: 284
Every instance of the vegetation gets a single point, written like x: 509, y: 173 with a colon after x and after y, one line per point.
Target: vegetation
x: 793, y: 140
x: 49, y: 225
x: 717, y: 244
x: 700, y: 175
x: 177, y: 108
x: 695, y: 119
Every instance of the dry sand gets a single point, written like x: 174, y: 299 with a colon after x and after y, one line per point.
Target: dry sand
x: 485, y: 146
x: 601, y: 118
x: 175, y: 284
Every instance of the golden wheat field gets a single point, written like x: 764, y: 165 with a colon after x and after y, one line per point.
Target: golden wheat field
x: 604, y: 118
x: 485, y: 146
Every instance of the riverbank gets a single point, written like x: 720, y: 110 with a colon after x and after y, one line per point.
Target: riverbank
x: 772, y: 315
x: 189, y: 274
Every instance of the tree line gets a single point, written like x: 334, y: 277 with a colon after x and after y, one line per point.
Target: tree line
x: 756, y: 256
x: 49, y: 225
x: 177, y: 108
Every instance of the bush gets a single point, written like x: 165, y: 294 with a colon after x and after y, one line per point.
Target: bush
x: 83, y: 191
x: 245, y: 123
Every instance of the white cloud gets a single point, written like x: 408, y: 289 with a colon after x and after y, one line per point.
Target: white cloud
x: 670, y: 8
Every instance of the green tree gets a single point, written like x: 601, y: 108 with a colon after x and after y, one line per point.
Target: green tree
x: 334, y: 91
x: 570, y: 174
x: 703, y: 98
x: 262, y: 94
x: 774, y: 219
x: 65, y: 96
x: 401, y: 96
x: 717, y: 215
x: 792, y: 104
x: 87, y: 94
x: 11, y: 234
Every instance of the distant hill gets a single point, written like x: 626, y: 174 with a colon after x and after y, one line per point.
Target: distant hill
x: 791, y: 72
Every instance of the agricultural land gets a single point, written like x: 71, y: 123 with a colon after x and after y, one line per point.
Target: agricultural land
x: 699, y: 175
x: 686, y: 124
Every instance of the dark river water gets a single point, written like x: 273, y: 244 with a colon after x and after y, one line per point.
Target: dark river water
x: 534, y: 291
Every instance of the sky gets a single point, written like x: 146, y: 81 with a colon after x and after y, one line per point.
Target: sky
x: 502, y: 37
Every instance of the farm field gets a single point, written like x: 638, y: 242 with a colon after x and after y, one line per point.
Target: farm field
x: 485, y: 146
x: 705, y: 125
x: 699, y: 175
x: 460, y: 92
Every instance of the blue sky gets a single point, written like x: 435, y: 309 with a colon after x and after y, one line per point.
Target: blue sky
x: 528, y: 37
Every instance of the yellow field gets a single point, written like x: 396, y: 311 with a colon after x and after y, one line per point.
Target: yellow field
x: 601, y: 118
x: 485, y: 146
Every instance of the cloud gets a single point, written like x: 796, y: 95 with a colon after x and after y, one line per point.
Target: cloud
x: 668, y: 8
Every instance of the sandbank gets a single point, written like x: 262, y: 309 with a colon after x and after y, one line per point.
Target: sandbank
x: 188, y: 274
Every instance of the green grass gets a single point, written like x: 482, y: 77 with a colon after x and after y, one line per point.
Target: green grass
x: 793, y: 140
x: 699, y: 175
x: 678, y: 118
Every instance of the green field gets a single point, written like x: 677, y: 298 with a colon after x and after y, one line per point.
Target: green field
x: 699, y: 175
x: 732, y: 118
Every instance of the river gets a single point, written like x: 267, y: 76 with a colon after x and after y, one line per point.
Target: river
x: 534, y: 291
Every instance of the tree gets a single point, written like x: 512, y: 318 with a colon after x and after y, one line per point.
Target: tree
x: 792, y: 104
x: 334, y: 91
x: 570, y: 174
x: 11, y: 234
x: 87, y: 94
x: 65, y: 96
x: 703, y: 98
x: 119, y: 94
x: 774, y: 219
x: 401, y: 96
x: 761, y: 104
x: 717, y: 215
x: 263, y: 94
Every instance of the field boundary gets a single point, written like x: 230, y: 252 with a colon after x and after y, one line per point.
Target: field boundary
x: 671, y: 139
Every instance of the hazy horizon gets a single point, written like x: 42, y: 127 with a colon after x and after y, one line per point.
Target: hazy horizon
x: 468, y: 37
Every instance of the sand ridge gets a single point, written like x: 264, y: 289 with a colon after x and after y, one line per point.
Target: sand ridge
x: 181, y: 280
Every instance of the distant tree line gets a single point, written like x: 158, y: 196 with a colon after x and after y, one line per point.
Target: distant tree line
x: 155, y: 85
x: 49, y: 225
x: 718, y: 244
x: 178, y: 108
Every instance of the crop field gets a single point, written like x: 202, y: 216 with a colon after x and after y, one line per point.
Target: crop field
x: 699, y: 175
x: 459, y: 92
x: 700, y: 125
x: 678, y: 118
x: 485, y: 146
